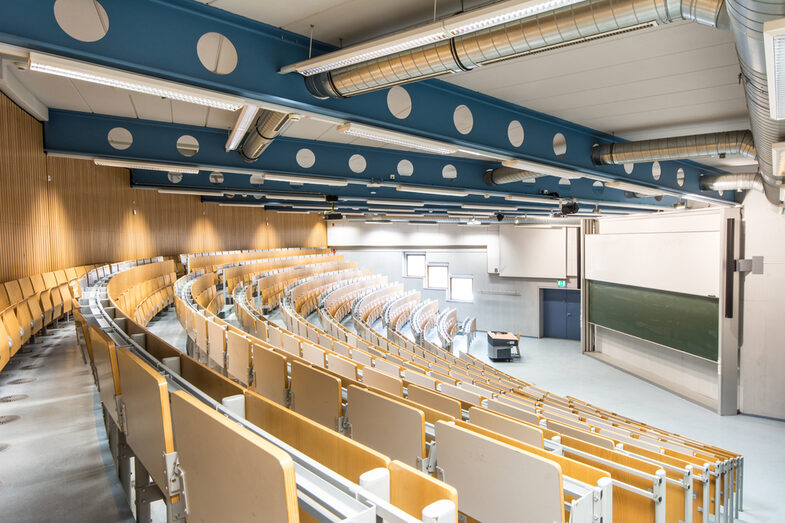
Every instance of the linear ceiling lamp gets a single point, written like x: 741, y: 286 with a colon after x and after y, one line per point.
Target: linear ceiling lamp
x: 290, y: 178
x: 166, y: 167
x: 393, y: 138
x: 396, y: 202
x: 632, y: 187
x: 530, y: 199
x: 244, y: 120
x: 189, y: 193
x: 774, y: 44
x: 131, y: 82
x: 294, y: 197
x: 496, y: 14
x: 432, y: 190
x: 254, y: 205
x: 489, y: 207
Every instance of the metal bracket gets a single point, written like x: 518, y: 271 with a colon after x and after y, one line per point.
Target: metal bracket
x: 344, y: 427
x: 428, y: 465
x: 754, y: 265
x: 288, y: 398
x: 175, y: 486
x: 121, y: 418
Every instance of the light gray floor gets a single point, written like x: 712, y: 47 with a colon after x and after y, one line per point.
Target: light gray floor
x: 57, y: 466
x: 559, y: 366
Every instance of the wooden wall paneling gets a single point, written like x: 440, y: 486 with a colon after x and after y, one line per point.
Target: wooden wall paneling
x: 61, y: 212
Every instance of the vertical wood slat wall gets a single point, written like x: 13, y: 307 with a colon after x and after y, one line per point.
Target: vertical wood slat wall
x: 59, y: 212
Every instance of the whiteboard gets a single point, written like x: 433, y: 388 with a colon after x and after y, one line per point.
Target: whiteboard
x: 686, y: 262
x: 532, y: 253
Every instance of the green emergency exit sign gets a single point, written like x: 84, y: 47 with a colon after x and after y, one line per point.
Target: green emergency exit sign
x: 561, y: 283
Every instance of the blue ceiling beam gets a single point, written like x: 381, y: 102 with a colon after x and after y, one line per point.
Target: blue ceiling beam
x: 159, y: 37
x: 75, y: 133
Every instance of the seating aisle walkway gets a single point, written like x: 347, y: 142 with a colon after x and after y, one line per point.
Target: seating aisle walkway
x: 55, y: 463
x: 558, y: 366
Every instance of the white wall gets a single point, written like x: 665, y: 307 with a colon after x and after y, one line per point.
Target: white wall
x: 762, y: 354
x: 678, y: 252
x: 500, y: 303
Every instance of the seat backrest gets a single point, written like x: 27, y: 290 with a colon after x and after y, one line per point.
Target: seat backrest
x: 60, y: 277
x: 12, y: 328
x: 14, y: 292
x: 105, y: 358
x: 5, y: 346
x: 49, y: 279
x: 27, y: 287
x: 4, y: 302
x: 38, y: 283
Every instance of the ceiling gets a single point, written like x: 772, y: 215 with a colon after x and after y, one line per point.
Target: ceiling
x: 675, y: 79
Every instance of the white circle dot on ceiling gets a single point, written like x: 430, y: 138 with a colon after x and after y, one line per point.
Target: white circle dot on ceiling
x: 463, y: 119
x: 559, y: 145
x: 450, y: 172
x: 187, y: 145
x: 628, y: 167
x: 680, y: 177
x: 515, y: 133
x: 120, y: 138
x: 405, y: 168
x: 357, y: 163
x: 399, y: 102
x: 175, y: 177
x: 217, y: 53
x: 216, y: 177
x: 656, y: 170
x: 305, y: 158
x: 564, y: 181
x: 83, y: 20
x: 256, y: 179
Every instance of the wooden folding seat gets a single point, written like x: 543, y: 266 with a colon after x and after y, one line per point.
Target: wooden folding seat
x: 60, y: 277
x: 49, y: 280
x: 57, y: 303
x: 14, y: 292
x: 81, y: 271
x: 105, y: 358
x: 4, y: 301
x: 70, y: 274
x: 66, y: 297
x: 5, y: 346
x: 13, y: 329
x: 27, y: 287
x: 36, y: 313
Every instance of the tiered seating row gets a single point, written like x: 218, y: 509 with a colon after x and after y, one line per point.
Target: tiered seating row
x: 370, y: 307
x: 28, y: 305
x: 248, y: 270
x: 423, y: 318
x: 304, y: 296
x: 447, y: 327
x: 340, y: 301
x: 211, y: 262
x: 272, y: 286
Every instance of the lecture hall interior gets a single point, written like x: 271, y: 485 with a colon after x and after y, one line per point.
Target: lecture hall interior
x: 365, y: 261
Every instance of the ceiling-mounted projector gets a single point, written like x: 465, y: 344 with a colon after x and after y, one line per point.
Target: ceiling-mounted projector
x: 567, y: 208
x: 333, y: 216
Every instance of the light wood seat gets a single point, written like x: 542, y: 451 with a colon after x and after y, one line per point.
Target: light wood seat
x: 233, y: 474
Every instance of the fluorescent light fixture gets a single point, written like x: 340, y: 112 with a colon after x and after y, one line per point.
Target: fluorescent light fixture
x: 290, y: 212
x: 241, y: 126
x: 293, y: 197
x: 432, y: 190
x: 774, y: 44
x: 305, y: 179
x: 500, y: 13
x: 530, y: 199
x: 379, y: 222
x: 189, y: 193
x: 166, y: 167
x: 131, y: 82
x: 362, y: 52
x: 631, y: 187
x: 483, y: 154
x: 396, y: 202
x: 393, y: 138
x: 254, y: 205
x: 488, y: 207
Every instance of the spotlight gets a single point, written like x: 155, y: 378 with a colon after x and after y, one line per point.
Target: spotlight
x: 499, y: 216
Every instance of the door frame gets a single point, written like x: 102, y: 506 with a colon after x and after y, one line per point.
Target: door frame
x: 541, y: 305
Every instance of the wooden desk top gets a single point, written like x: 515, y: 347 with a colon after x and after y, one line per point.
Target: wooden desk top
x: 499, y: 335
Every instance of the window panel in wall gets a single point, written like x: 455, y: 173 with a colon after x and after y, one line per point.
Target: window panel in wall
x: 438, y: 276
x: 461, y: 288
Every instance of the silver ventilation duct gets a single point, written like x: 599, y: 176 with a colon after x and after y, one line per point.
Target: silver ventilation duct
x: 565, y: 26
x: 678, y: 148
x: 746, y: 23
x: 732, y: 182
x: 268, y: 125
x: 504, y: 175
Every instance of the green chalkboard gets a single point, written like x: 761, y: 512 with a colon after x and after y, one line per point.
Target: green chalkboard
x: 681, y: 321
